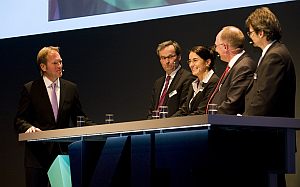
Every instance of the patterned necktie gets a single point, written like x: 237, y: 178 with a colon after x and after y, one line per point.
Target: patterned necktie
x: 217, y: 87
x: 54, y: 100
x: 164, y: 93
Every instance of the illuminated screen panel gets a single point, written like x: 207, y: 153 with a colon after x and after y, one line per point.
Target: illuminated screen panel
x: 79, y: 8
x: 30, y: 17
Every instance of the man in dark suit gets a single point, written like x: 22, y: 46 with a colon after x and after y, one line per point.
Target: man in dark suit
x: 46, y: 103
x: 230, y: 92
x: 172, y: 88
x: 273, y: 88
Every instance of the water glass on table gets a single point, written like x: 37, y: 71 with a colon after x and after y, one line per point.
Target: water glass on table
x: 155, y: 114
x: 80, y: 121
x: 163, y: 111
x: 212, y: 108
x: 109, y: 118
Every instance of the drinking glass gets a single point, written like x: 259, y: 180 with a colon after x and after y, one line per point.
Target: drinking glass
x: 155, y: 114
x: 109, y: 118
x: 80, y: 121
x: 163, y: 111
x: 212, y: 108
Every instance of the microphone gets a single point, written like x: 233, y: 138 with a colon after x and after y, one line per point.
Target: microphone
x: 174, y: 65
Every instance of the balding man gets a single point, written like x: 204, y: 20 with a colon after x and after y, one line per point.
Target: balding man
x: 229, y: 94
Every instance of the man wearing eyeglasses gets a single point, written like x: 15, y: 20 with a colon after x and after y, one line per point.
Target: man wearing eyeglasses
x: 274, y: 85
x: 229, y: 93
x: 272, y: 89
x: 172, y: 88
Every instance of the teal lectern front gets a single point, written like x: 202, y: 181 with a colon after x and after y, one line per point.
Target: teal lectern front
x: 59, y: 173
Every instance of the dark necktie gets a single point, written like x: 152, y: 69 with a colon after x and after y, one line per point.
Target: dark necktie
x: 54, y: 100
x: 217, y: 87
x: 164, y: 93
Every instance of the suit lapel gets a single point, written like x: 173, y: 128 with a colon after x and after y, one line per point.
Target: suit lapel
x: 190, y: 93
x: 159, y: 89
x: 171, y: 87
x: 268, y: 51
x: 44, y: 94
x: 173, y: 84
x: 175, y: 81
x: 198, y: 97
x: 230, y: 70
x: 62, y: 97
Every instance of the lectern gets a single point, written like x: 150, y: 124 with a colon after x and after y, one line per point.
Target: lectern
x: 202, y: 150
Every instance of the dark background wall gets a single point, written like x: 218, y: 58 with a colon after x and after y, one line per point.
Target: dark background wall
x: 115, y: 67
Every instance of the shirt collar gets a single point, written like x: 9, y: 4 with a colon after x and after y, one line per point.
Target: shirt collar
x: 195, y: 83
x: 208, y: 76
x: 266, y: 49
x: 174, y: 72
x: 235, y: 58
x: 48, y: 83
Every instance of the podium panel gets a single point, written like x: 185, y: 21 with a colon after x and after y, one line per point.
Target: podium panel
x: 207, y: 150
x: 59, y: 173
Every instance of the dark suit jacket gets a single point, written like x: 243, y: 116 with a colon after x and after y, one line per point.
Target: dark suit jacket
x: 35, y: 110
x: 231, y: 95
x: 177, y: 90
x: 272, y: 93
x: 198, y: 104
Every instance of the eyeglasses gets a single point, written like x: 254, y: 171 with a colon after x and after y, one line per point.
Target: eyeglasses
x: 163, y: 58
x: 216, y: 45
x: 249, y: 33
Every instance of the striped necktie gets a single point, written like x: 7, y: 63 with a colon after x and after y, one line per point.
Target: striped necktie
x: 217, y: 87
x: 164, y: 93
